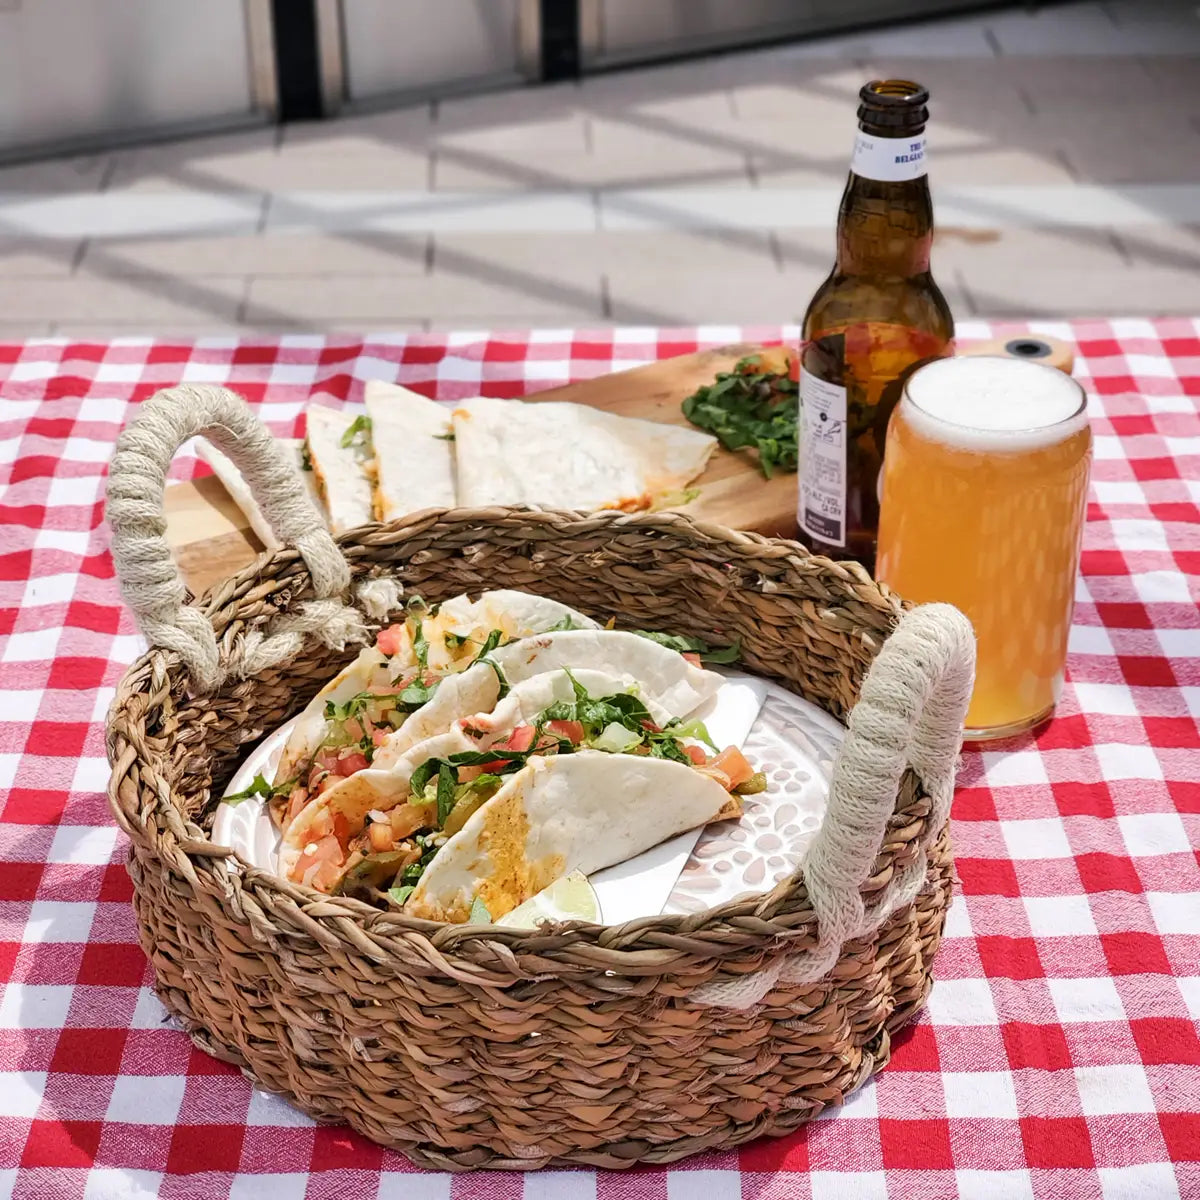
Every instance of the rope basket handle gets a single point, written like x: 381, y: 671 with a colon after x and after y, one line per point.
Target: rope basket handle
x: 910, y: 710
x: 150, y: 581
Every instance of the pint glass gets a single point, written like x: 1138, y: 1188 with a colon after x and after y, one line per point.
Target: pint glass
x: 983, y: 497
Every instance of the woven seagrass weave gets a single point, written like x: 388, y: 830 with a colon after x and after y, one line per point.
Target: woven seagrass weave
x: 510, y: 1048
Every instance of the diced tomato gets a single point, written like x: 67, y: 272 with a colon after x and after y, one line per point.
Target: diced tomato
x: 320, y: 863
x: 694, y: 659
x: 468, y: 774
x: 341, y: 828
x: 733, y: 763
x: 717, y: 774
x: 696, y: 754
x: 347, y: 764
x: 651, y: 727
x: 390, y: 640
x: 297, y: 799
x: 571, y: 730
x: 379, y: 736
x: 379, y: 833
x: 327, y: 760
x: 326, y: 782
x: 519, y: 740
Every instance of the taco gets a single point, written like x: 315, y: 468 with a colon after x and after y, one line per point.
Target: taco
x: 342, y: 727
x: 337, y: 844
x: 666, y: 676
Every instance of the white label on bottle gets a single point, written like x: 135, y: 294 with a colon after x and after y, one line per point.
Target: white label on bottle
x: 890, y: 159
x: 822, y: 512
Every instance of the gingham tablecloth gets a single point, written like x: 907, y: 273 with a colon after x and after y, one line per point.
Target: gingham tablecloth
x: 1058, y: 1056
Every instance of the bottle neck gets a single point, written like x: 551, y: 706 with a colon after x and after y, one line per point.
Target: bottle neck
x: 885, y: 222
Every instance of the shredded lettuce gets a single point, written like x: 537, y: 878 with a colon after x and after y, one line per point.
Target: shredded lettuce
x: 693, y: 729
x: 479, y: 914
x: 615, y: 739
x: 400, y: 894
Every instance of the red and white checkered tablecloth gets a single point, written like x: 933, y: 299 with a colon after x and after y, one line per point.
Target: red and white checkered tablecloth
x: 1058, y: 1056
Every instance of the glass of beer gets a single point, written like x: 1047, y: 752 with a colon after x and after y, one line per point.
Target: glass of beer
x: 983, y: 495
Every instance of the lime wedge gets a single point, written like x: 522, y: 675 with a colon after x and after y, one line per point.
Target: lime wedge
x: 570, y: 898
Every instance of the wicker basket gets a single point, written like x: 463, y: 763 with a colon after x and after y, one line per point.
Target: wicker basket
x: 477, y: 1046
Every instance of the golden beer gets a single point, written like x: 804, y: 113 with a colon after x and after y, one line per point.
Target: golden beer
x: 982, y: 505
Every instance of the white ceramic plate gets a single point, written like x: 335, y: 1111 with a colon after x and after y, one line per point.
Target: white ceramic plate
x: 793, y: 741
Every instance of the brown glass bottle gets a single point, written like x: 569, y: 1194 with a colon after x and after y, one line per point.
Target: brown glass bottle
x: 876, y: 318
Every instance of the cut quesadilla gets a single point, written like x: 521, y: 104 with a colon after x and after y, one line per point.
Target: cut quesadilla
x: 239, y: 490
x: 564, y: 455
x: 414, y: 453
x: 339, y: 449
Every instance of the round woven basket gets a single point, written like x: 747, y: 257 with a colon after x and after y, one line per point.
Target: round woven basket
x: 479, y: 1046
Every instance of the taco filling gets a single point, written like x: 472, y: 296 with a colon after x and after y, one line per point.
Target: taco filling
x: 388, y: 854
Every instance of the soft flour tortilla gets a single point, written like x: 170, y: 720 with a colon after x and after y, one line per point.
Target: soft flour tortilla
x: 353, y: 798
x: 564, y: 455
x: 581, y: 811
x: 515, y: 614
x: 340, y: 471
x: 414, y: 458
x: 239, y: 490
x: 664, y: 677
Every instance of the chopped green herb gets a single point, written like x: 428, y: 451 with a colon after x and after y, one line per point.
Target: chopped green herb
x: 420, y: 645
x: 494, y: 638
x: 447, y: 784
x: 305, y: 457
x: 444, y: 437
x: 358, y: 431
x: 416, y: 694
x: 258, y: 787
x: 749, y: 409
x: 568, y: 622
x: 400, y: 894
x: 454, y: 640
x: 694, y: 645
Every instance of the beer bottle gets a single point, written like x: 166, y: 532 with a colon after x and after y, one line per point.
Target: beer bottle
x: 876, y: 318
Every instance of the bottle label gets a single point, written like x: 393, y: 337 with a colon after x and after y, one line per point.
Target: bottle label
x: 822, y: 511
x: 892, y: 160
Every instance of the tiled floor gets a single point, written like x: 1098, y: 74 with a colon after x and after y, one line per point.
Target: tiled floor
x: 1065, y: 163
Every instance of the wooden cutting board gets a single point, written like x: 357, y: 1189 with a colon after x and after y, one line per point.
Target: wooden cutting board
x: 212, y: 539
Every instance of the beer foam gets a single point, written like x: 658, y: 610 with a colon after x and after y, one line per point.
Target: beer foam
x: 985, y: 403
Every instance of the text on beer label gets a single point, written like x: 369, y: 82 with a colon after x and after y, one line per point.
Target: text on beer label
x: 892, y: 160
x: 822, y: 508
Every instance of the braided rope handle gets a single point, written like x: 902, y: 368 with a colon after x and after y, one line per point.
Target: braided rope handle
x: 150, y: 581
x: 910, y: 710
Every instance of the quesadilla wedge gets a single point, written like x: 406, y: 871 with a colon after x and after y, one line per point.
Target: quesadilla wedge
x: 339, y: 448
x: 336, y: 846
x: 564, y: 455
x: 341, y: 728
x: 665, y: 676
x: 239, y: 490
x: 414, y: 454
